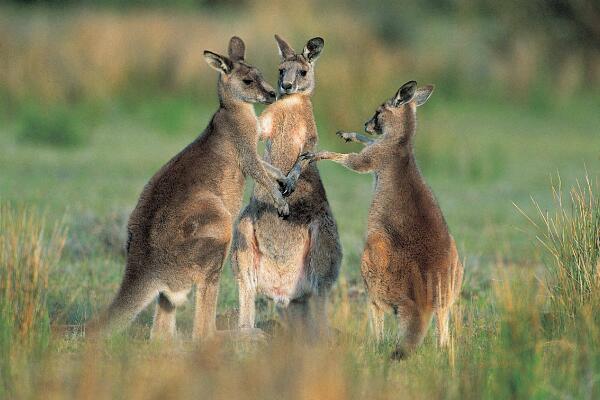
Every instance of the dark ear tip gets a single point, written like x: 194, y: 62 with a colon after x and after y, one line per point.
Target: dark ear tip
x: 316, y: 42
x: 410, y: 83
x: 208, y: 53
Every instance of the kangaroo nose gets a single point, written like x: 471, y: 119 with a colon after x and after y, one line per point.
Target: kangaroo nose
x: 272, y: 93
x: 286, y: 85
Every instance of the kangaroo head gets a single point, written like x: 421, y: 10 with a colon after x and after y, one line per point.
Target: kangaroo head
x: 238, y: 80
x: 397, y: 116
x: 297, y: 71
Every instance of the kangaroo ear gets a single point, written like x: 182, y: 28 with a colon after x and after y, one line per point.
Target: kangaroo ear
x: 422, y: 94
x: 285, y: 50
x: 313, y: 49
x: 405, y: 93
x: 218, y: 62
x: 237, y: 49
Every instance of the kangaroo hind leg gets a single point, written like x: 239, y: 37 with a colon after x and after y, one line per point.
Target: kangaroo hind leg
x: 245, y: 258
x: 164, y: 325
x: 323, y: 259
x: 210, y: 265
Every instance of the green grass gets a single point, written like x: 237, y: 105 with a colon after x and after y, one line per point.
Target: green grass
x: 479, y: 158
x: 51, y: 126
x: 27, y: 253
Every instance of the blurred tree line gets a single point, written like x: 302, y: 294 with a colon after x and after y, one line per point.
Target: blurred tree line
x: 101, y: 49
x: 561, y: 27
x: 566, y: 26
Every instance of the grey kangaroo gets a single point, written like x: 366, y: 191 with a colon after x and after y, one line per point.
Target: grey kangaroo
x: 180, y: 231
x: 410, y: 264
x: 293, y: 260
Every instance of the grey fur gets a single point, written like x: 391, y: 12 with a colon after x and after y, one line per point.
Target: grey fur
x: 294, y: 262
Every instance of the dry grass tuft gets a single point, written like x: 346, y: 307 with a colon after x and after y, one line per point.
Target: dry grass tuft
x: 27, y: 252
x: 571, y: 237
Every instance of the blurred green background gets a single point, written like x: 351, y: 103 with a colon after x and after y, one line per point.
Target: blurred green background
x: 96, y: 95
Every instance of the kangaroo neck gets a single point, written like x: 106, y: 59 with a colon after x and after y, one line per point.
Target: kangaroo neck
x: 236, y: 119
x: 404, y: 176
x: 293, y: 100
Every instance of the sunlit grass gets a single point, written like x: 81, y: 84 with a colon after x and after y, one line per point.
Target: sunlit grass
x: 570, y: 234
x: 527, y: 325
x: 505, y: 342
x: 27, y: 253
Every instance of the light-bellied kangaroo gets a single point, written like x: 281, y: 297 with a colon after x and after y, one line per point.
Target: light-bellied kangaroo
x: 180, y: 231
x: 410, y: 264
x: 293, y: 260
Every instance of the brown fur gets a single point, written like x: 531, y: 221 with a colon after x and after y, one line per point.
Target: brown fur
x: 297, y: 259
x: 410, y: 264
x: 181, y: 229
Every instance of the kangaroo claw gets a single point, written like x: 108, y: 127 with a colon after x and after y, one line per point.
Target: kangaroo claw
x: 344, y: 135
x: 287, y: 186
x: 308, y: 155
x: 283, y: 211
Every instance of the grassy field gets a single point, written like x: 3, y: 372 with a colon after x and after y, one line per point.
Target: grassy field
x: 96, y: 96
x: 479, y: 158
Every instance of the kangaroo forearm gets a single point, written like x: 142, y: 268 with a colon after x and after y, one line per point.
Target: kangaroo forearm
x: 355, y: 161
x: 356, y: 138
x: 272, y: 171
x: 260, y: 176
x: 359, y: 138
x: 255, y: 168
x: 297, y: 169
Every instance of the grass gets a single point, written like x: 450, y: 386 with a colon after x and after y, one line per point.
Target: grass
x: 27, y: 253
x: 90, y: 110
x: 527, y: 325
x: 55, y: 126
x: 571, y: 237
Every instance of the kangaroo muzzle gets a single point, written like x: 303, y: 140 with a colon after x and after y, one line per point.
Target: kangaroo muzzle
x: 269, y: 94
x: 286, y: 83
x: 370, y: 126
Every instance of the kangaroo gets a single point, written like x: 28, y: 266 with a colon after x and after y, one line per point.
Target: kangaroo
x: 180, y: 231
x: 410, y: 264
x: 293, y: 260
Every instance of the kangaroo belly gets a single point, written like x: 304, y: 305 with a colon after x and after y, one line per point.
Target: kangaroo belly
x: 283, y: 286
x: 283, y: 269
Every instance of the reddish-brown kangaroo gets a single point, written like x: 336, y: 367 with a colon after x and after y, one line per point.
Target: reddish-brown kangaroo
x: 180, y: 231
x: 410, y: 264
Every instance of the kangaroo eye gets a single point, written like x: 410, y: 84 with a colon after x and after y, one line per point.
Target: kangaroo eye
x: 247, y: 81
x: 303, y: 72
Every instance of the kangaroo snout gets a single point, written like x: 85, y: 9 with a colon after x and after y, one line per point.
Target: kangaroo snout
x: 270, y: 97
x: 286, y: 86
x: 269, y: 93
